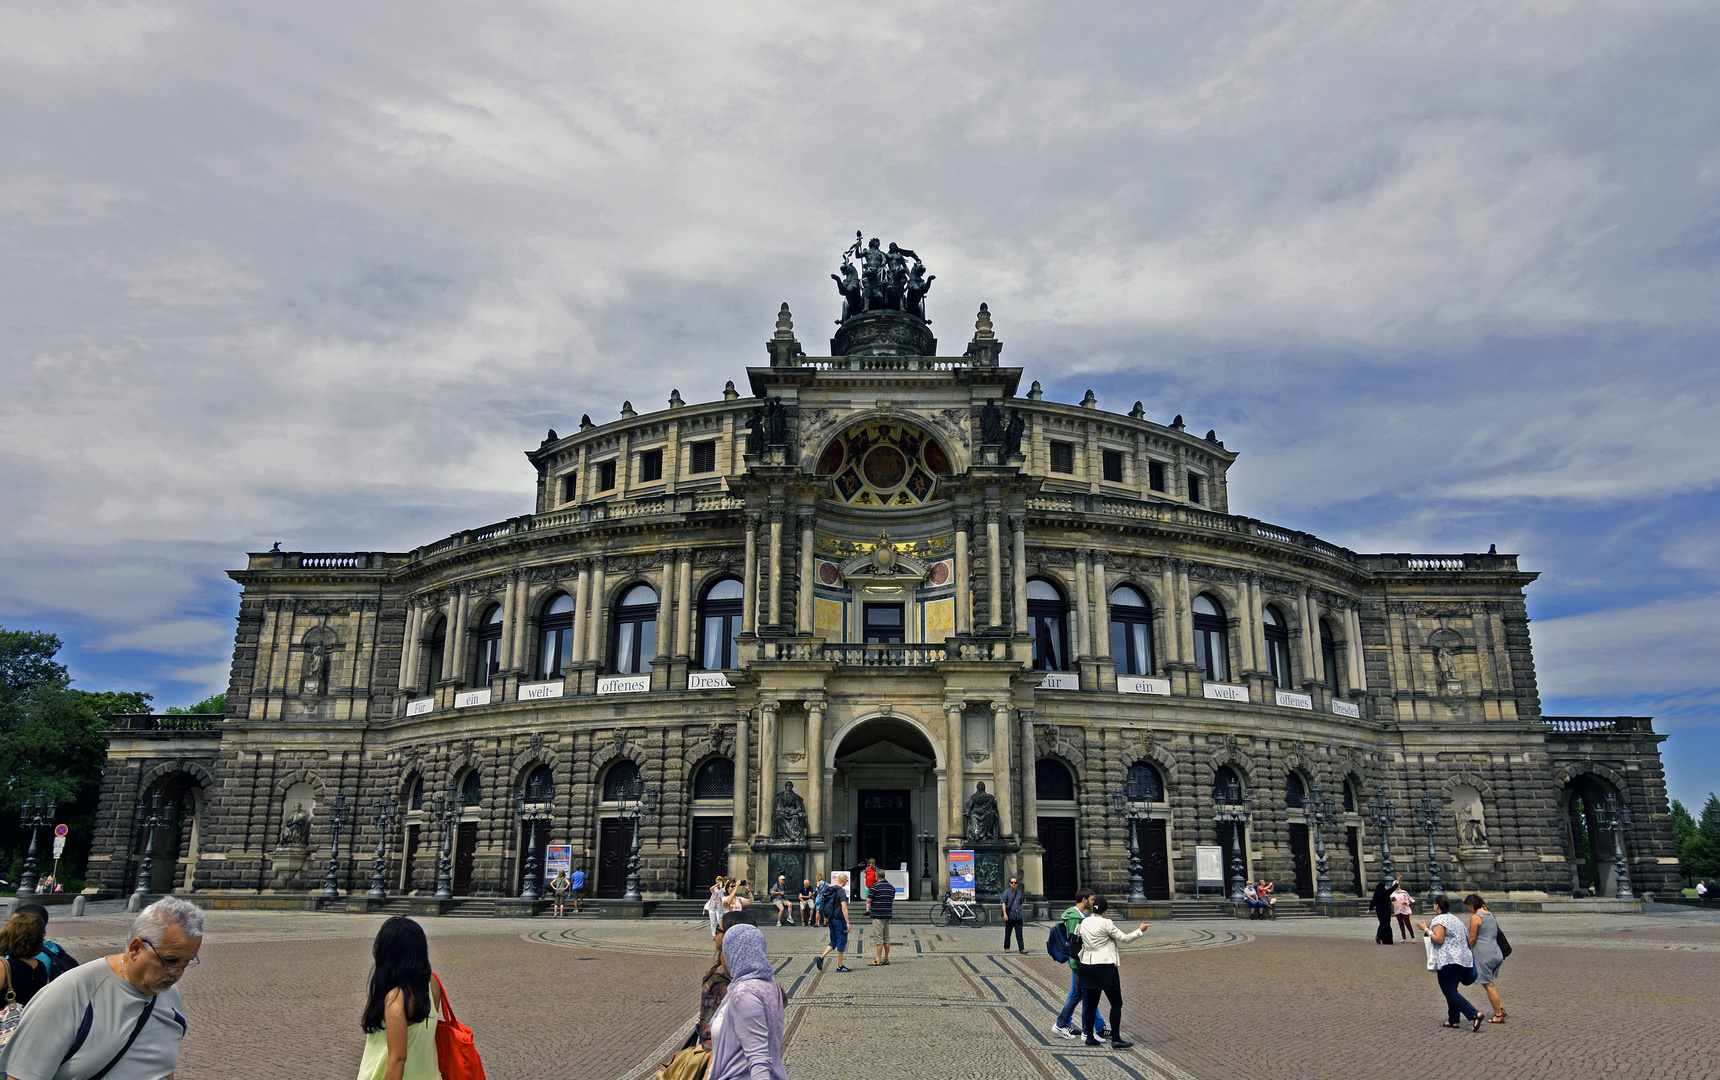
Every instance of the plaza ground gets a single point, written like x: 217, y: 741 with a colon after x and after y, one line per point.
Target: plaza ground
x: 1617, y: 996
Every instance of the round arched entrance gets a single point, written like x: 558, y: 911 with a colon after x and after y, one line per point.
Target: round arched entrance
x: 884, y: 797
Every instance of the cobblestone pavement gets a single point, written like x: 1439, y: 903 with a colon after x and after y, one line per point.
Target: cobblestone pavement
x: 1210, y: 1000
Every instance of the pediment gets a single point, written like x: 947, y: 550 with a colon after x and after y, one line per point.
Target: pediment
x: 885, y: 753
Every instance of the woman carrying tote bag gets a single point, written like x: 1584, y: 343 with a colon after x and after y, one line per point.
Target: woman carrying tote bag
x: 402, y: 1009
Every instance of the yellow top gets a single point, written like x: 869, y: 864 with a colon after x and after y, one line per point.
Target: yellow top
x: 420, y: 1049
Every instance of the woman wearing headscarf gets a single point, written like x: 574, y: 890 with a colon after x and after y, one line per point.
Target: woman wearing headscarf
x: 1380, y: 904
x: 746, y: 1032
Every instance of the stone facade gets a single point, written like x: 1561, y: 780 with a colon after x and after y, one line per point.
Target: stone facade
x: 698, y: 585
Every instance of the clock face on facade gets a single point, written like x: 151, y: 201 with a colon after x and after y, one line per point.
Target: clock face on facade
x: 885, y: 464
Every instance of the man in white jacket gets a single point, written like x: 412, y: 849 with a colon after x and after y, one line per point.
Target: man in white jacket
x: 1099, y: 940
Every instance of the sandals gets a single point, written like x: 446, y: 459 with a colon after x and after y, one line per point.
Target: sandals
x: 1450, y: 1025
x: 1496, y: 1018
x: 1476, y: 1026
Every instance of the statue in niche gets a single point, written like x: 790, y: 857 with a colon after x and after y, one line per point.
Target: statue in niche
x: 1471, y: 829
x: 755, y: 432
x: 981, y: 814
x: 788, y: 817
x: 775, y: 422
x: 1012, y: 434
x: 1447, y: 664
x: 316, y: 669
x: 296, y: 829
x: 991, y: 423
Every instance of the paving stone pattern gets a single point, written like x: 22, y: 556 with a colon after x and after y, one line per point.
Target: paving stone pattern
x: 1588, y: 996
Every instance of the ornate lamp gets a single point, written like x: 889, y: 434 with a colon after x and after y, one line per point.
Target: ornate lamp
x: 634, y: 806
x: 1235, y: 809
x: 1319, y: 809
x: 533, y: 805
x: 1382, y: 815
x: 337, y: 812
x: 1127, y: 803
x: 449, y: 809
x: 149, y: 823
x: 1427, y: 820
x: 1616, y: 818
x: 383, y: 814
x: 929, y: 842
x: 31, y: 816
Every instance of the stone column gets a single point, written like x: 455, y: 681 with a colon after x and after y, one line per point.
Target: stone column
x: 775, y: 568
x: 994, y: 563
x: 1185, y: 616
x: 451, y: 637
x: 522, y: 622
x: 1357, y: 656
x: 1032, y: 869
x: 767, y: 751
x: 508, y: 607
x: 1256, y: 607
x: 1001, y: 774
x: 1246, y: 628
x: 957, y: 792
x: 1310, y: 639
x: 594, y: 635
x: 684, y: 605
x: 409, y: 644
x: 964, y: 602
x: 1083, y: 621
x: 666, y: 608
x: 814, y: 766
x: 749, y: 581
x: 742, y: 828
x: 807, y: 576
x: 1101, y: 608
x: 1018, y: 549
x: 946, y: 815
x: 581, y: 597
x: 1170, y: 642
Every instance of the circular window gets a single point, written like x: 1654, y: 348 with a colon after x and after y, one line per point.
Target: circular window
x: 885, y: 468
x: 884, y: 464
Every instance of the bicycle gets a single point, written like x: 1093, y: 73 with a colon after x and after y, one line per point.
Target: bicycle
x: 954, y: 910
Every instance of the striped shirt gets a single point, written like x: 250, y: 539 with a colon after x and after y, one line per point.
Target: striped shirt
x: 883, y: 898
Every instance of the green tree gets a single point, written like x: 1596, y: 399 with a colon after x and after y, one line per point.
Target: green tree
x: 1684, y: 841
x: 1697, y: 840
x: 214, y: 703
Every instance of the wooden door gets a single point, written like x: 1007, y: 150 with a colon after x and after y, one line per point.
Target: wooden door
x: 465, y: 855
x: 409, y: 858
x: 1060, y: 864
x: 710, y: 855
x: 1354, y: 841
x: 1155, y: 859
x: 1300, y: 859
x: 614, y: 842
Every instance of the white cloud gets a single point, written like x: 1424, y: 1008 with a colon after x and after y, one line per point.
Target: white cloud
x: 1659, y: 650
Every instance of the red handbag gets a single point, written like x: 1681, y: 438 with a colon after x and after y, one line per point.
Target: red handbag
x: 456, y: 1053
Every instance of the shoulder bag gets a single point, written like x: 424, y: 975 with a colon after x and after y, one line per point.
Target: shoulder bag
x: 1499, y: 935
x: 1427, y: 941
x: 11, y: 1012
x: 456, y: 1052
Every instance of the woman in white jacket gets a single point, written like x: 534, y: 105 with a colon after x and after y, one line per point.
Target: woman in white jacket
x: 1099, y: 940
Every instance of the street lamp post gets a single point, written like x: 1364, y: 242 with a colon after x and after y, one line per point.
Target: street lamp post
x: 31, y: 816
x: 1320, y: 810
x: 1127, y: 803
x: 1427, y: 820
x: 1237, y: 810
x: 149, y: 823
x: 635, y: 806
x: 1616, y: 817
x: 383, y: 813
x: 449, y: 809
x: 535, y: 804
x: 337, y: 812
x: 1382, y: 815
x: 927, y: 842
x: 841, y: 837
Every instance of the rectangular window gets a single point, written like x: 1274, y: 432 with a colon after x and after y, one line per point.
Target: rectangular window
x: 606, y: 476
x: 705, y: 457
x: 883, y: 624
x: 1114, y: 466
x: 1062, y: 457
x: 1156, y: 475
x: 569, y: 487
x: 650, y: 466
x: 1193, y: 488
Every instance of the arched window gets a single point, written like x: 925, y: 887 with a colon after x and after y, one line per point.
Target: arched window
x: 1328, y: 655
x: 415, y: 798
x: 1045, y: 621
x: 1277, y: 646
x: 1131, y: 631
x: 1211, y: 639
x: 1226, y: 784
x: 434, y: 648
x: 720, y: 624
x: 539, y: 785
x: 636, y: 630
x: 1349, y: 798
x: 489, y: 635
x: 1144, y: 784
x: 1295, y: 792
x: 715, y: 780
x: 1052, y: 782
x: 621, y: 781
x: 555, y: 638
x: 472, y: 789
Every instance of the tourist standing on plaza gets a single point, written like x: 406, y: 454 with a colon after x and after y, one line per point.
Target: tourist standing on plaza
x: 779, y: 897
x: 402, y: 1008
x: 58, y: 960
x: 807, y: 914
x: 558, y: 891
x: 714, y: 906
x: 1484, y: 943
x: 576, y: 887
x: 22, y: 974
x: 1071, y: 920
x: 1011, y: 904
x: 1099, y: 938
x: 129, y: 1000
x: 746, y: 1032
x: 1381, y: 906
x: 881, y: 906
x: 835, y: 912
x: 1402, y: 904
x: 1452, y: 963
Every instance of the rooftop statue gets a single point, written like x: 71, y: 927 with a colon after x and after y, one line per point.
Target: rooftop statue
x: 873, y: 278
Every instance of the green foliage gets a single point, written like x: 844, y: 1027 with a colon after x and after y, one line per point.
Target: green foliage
x: 1697, y: 840
x: 214, y: 703
x: 26, y: 665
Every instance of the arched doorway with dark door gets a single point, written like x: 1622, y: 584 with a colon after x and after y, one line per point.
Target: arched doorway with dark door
x: 884, y: 797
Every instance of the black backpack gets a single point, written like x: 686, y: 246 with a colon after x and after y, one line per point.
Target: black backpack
x: 830, y: 906
x: 1057, y: 943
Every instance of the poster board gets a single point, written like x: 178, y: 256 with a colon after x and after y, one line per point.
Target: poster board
x: 841, y: 879
x: 961, y: 875
x: 1208, y: 867
x: 557, y: 857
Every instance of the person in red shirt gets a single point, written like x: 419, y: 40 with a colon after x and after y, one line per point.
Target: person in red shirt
x: 871, y: 874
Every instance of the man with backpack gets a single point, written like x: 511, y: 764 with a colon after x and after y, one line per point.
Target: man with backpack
x: 55, y: 960
x: 834, y: 908
x: 1064, y: 947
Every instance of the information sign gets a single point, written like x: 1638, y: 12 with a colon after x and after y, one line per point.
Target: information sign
x: 961, y: 875
x: 1347, y: 708
x: 59, y: 846
x: 539, y: 691
x: 1218, y: 691
x: 624, y: 684
x: 1289, y: 700
x: 557, y: 857
x: 708, y: 680
x: 1136, y: 684
x: 1209, y: 865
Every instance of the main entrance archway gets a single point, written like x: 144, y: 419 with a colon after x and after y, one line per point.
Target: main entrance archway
x: 885, y: 796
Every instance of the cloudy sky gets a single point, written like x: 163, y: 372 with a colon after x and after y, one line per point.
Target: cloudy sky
x: 1444, y: 274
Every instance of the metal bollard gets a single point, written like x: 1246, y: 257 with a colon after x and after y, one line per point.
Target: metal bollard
x: 134, y: 903
x: 78, y: 904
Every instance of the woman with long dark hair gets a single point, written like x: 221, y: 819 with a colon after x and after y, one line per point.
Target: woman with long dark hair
x: 400, y: 1014
x: 1453, y: 963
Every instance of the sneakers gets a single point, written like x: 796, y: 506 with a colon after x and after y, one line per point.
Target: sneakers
x: 1092, y: 1042
x: 819, y: 960
x: 1066, y: 1032
x: 844, y: 969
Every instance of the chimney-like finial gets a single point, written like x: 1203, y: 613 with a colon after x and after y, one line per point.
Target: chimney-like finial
x: 1137, y: 413
x: 1089, y: 402
x: 627, y: 412
x: 585, y: 423
x: 729, y: 391
x: 675, y: 401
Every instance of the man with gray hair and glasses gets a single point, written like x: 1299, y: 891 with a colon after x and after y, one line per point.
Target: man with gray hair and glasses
x: 121, y: 1019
